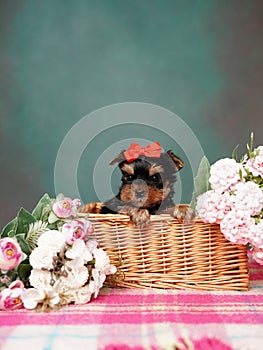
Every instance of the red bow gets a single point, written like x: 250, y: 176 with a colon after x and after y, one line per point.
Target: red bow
x: 153, y: 151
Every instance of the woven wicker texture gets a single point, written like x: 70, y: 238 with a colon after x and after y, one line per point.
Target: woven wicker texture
x: 170, y: 254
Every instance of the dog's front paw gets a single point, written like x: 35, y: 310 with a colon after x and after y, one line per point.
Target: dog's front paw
x: 184, y: 213
x: 141, y: 217
x: 91, y: 207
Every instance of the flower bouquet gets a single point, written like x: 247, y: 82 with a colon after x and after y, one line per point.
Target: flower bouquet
x: 47, y: 259
x: 234, y: 198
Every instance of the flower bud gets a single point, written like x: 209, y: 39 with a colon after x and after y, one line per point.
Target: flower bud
x: 10, y: 254
x: 63, y: 208
x: 77, y: 229
x: 10, y: 298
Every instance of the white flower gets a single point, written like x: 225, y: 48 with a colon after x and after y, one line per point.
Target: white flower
x: 248, y: 197
x: 92, y: 244
x: 79, y: 250
x: 51, y: 298
x: 52, y: 240
x: 97, y: 283
x: 40, y: 278
x: 41, y: 258
x: 102, y: 262
x: 77, y: 274
x: 69, y: 295
x: 32, y: 297
x: 224, y: 174
x: 111, y: 269
x: 102, y: 259
x: 82, y: 295
x: 65, y: 293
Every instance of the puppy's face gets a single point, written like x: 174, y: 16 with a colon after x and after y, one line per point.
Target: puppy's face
x: 148, y: 181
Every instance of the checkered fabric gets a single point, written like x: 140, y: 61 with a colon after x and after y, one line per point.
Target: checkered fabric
x: 144, y: 319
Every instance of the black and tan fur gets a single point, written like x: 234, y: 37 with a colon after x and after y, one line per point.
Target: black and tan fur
x: 147, y: 188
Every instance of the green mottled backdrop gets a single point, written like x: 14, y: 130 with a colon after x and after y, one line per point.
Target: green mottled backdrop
x: 62, y: 59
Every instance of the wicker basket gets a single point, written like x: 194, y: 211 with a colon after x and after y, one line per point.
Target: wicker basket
x: 170, y: 254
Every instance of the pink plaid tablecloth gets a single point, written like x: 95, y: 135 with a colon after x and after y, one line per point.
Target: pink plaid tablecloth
x: 145, y: 319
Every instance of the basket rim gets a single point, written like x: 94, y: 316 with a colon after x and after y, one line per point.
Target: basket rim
x: 153, y: 218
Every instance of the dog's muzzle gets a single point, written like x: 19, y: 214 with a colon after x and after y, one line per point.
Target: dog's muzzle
x: 140, y: 189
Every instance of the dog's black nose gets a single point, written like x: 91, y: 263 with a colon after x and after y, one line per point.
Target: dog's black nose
x: 140, y: 193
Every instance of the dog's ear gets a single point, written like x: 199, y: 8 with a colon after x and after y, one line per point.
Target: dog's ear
x: 177, y: 161
x: 118, y: 159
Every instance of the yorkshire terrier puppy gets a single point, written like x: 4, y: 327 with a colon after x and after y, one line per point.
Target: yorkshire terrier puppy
x: 147, y: 188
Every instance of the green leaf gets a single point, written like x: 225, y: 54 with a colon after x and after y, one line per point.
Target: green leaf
x: 35, y: 231
x: 53, y: 226
x: 42, y: 206
x: 52, y: 218
x: 251, y: 143
x: 20, y: 237
x: 250, y: 146
x: 24, y: 270
x: 234, y: 153
x: 11, y: 233
x: 9, y: 227
x: 201, y: 181
x: 24, y: 219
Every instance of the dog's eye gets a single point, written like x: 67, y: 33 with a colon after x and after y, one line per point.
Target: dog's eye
x: 156, y: 178
x: 127, y: 177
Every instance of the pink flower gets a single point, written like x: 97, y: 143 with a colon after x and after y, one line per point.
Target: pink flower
x: 76, y: 203
x: 257, y: 254
x: 63, y: 208
x: 236, y: 226
x: 248, y: 197
x: 10, y: 298
x: 255, y: 165
x: 224, y: 174
x: 10, y: 253
x: 256, y: 234
x: 212, y: 206
x: 77, y: 229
